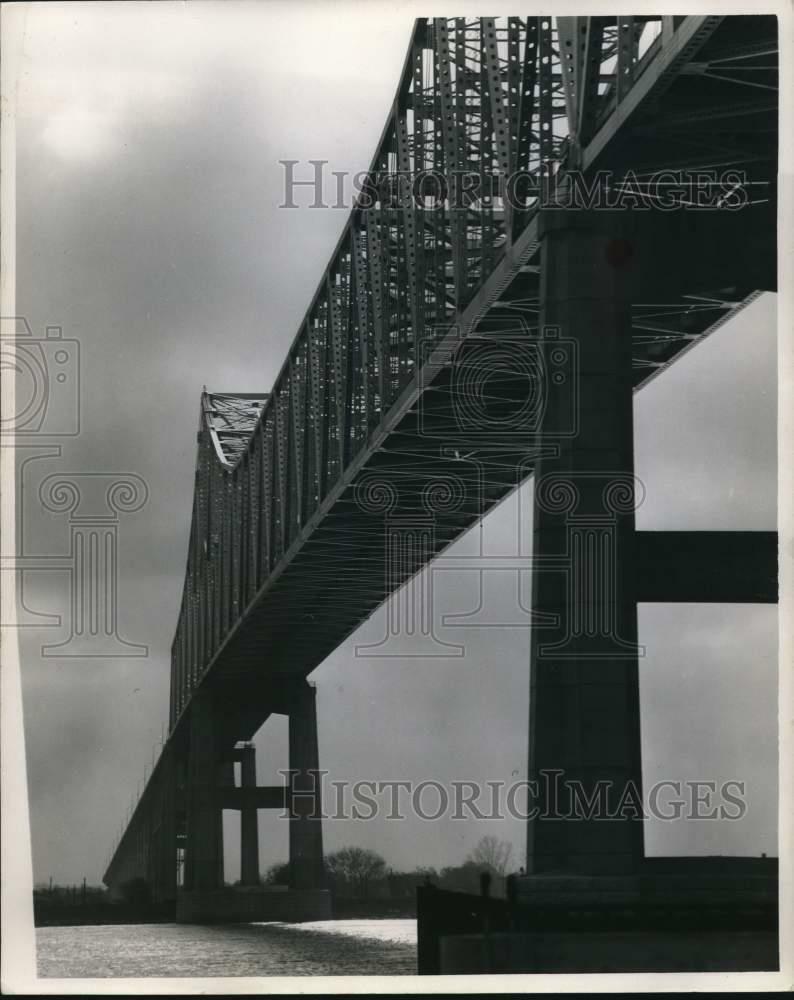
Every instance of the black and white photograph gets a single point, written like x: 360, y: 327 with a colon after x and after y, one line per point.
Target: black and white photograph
x: 396, y: 447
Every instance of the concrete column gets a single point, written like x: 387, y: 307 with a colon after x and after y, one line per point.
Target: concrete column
x: 584, y: 693
x: 161, y: 859
x: 204, y: 849
x: 225, y: 779
x: 249, y: 827
x: 305, y: 825
x: 167, y: 861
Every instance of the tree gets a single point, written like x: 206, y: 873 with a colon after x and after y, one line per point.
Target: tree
x: 355, y: 867
x: 492, y: 853
x: 463, y: 878
x: 403, y: 884
x: 277, y: 874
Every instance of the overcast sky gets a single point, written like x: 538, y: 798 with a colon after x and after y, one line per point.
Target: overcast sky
x: 148, y: 180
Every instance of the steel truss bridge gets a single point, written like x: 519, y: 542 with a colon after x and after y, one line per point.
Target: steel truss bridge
x: 454, y: 346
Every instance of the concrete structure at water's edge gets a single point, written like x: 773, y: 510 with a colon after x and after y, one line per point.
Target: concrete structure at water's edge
x: 696, y: 914
x: 198, y: 782
x: 394, y: 422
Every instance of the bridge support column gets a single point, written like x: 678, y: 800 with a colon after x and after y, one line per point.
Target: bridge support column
x: 249, y: 826
x: 305, y: 823
x: 163, y: 843
x: 584, y: 734
x: 168, y: 845
x: 204, y: 848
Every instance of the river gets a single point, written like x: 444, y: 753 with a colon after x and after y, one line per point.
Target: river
x: 322, y: 948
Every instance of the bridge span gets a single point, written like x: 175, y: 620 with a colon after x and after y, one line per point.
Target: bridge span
x: 457, y: 344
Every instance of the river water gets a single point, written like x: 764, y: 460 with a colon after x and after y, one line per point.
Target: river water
x: 322, y: 948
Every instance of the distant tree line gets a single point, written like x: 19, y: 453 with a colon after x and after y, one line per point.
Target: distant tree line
x: 360, y: 873
x: 70, y: 895
x: 90, y: 904
x: 359, y: 879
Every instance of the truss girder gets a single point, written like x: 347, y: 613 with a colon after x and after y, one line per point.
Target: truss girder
x: 479, y: 98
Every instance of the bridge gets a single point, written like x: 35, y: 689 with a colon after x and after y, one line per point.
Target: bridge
x: 557, y: 210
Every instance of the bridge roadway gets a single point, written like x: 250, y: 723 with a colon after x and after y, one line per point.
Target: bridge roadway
x: 449, y: 354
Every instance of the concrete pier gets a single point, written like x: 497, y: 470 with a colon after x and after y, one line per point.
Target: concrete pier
x: 584, y: 692
x: 249, y: 826
x: 211, y: 788
x: 305, y: 825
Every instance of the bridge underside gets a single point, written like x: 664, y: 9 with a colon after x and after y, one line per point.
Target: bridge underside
x: 435, y: 470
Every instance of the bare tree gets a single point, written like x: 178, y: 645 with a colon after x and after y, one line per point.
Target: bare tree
x: 492, y: 853
x: 357, y: 867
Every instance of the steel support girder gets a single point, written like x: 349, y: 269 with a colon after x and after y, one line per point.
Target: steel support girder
x: 650, y: 86
x: 447, y: 347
